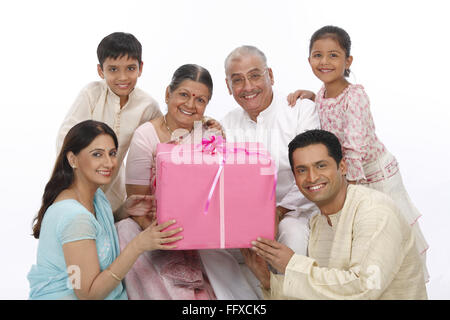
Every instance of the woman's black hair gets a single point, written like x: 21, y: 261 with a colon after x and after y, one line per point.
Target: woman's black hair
x: 78, y: 138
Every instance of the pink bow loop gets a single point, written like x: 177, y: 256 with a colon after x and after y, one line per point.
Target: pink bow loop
x: 213, y: 145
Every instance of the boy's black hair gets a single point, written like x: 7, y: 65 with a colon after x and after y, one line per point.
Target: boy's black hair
x: 328, y: 139
x: 336, y: 33
x: 117, y: 45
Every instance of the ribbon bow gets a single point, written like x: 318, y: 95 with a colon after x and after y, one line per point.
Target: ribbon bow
x: 213, y: 144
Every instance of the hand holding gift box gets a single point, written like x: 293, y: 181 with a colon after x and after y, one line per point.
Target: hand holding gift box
x: 222, y: 194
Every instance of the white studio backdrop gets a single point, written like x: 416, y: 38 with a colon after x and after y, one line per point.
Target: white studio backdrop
x: 48, y: 53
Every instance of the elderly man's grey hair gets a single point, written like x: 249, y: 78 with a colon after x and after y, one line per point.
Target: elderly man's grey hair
x: 245, y: 50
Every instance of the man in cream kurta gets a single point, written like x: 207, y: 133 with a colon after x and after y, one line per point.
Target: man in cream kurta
x: 98, y: 102
x: 380, y: 262
x: 360, y: 246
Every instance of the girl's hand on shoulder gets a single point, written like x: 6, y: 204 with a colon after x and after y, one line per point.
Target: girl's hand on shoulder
x: 154, y: 238
x: 300, y: 94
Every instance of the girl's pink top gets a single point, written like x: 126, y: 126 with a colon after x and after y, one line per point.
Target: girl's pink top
x: 348, y: 117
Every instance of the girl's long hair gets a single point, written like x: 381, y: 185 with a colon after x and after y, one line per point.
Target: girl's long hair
x: 78, y: 138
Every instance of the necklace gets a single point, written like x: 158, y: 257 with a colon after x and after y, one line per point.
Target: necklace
x: 175, y: 138
x: 165, y: 122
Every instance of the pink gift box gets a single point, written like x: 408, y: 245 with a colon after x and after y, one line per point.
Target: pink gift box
x: 222, y: 199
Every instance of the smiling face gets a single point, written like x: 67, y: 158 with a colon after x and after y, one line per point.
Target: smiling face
x: 319, y: 178
x: 328, y: 60
x: 121, y: 75
x: 186, y: 104
x: 95, y: 164
x: 250, y: 82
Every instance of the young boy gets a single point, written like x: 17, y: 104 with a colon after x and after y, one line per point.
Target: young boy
x: 115, y: 100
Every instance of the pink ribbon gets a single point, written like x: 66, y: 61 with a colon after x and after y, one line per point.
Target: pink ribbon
x: 213, y: 187
x: 213, y: 146
x: 210, y: 146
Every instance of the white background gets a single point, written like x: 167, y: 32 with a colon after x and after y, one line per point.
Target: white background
x: 48, y: 53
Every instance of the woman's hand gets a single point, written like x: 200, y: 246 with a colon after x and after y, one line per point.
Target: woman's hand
x: 140, y: 205
x: 153, y: 238
x: 211, y: 124
x: 302, y: 94
x: 141, y: 208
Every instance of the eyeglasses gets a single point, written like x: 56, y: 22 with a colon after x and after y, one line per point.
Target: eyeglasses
x: 253, y: 77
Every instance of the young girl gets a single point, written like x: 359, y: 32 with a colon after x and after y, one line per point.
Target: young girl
x: 344, y: 110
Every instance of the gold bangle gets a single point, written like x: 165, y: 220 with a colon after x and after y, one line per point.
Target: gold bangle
x: 114, y: 275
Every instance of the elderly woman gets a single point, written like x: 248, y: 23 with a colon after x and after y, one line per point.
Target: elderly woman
x: 189, y: 274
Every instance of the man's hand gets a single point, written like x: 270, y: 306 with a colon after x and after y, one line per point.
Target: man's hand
x: 279, y: 215
x: 275, y: 253
x: 258, y: 266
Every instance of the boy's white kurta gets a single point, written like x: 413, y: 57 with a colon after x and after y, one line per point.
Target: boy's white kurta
x: 97, y: 102
x: 367, y: 253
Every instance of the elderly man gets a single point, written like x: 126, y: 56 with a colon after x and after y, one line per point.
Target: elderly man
x: 264, y: 116
x: 360, y: 247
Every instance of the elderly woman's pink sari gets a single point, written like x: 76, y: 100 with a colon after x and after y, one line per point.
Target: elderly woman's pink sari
x: 159, y: 274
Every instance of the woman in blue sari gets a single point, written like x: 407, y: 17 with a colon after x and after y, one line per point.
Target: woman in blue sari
x: 78, y: 253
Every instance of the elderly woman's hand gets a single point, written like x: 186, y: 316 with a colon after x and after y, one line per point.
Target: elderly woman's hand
x: 213, y: 126
x: 140, y: 205
x: 141, y: 208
